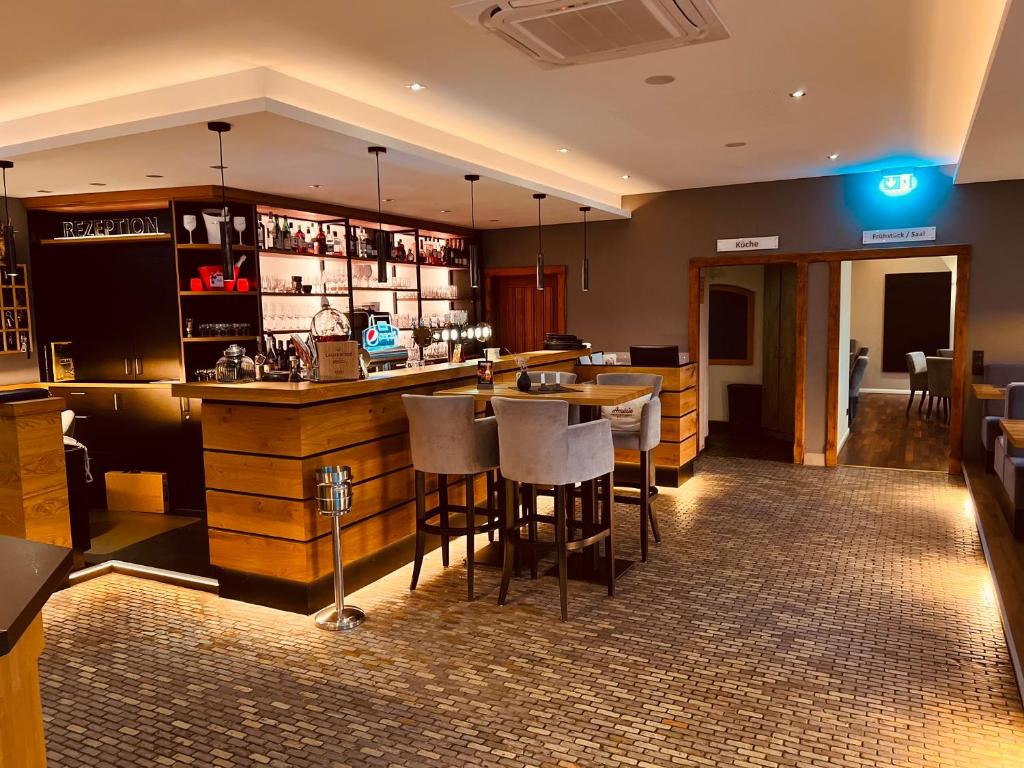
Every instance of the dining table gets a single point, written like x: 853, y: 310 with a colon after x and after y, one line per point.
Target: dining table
x: 1014, y: 431
x: 590, y: 397
x: 988, y: 391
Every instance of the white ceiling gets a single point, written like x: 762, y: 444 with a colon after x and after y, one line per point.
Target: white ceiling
x: 112, y: 86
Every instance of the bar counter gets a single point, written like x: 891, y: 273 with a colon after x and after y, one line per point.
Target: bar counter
x: 262, y: 445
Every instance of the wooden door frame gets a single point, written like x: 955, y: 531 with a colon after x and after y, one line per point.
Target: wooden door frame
x: 834, y: 258
x: 559, y: 272
x: 800, y: 360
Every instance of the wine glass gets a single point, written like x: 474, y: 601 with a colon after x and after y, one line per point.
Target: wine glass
x: 239, y: 222
x: 190, y: 224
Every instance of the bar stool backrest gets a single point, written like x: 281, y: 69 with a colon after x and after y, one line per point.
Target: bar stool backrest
x: 563, y: 376
x: 446, y: 439
x: 533, y: 439
x: 652, y: 380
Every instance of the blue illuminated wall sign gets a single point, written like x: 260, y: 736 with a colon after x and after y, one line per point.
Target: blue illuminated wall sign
x: 898, y: 184
x: 380, y: 336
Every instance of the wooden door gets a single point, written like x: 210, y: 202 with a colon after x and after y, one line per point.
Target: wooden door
x: 520, y: 314
x: 779, y: 347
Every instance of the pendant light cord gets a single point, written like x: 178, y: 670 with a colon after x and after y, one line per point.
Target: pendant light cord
x: 539, y: 248
x: 380, y: 214
x: 7, y: 210
x: 223, y: 191
x: 472, y: 207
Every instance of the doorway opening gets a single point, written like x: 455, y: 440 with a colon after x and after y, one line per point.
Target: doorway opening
x: 895, y: 348
x: 750, y: 378
x: 520, y: 314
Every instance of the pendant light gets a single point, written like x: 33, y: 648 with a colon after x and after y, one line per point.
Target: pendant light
x: 474, y: 268
x: 540, y: 252
x: 9, y: 264
x: 382, y: 256
x: 220, y: 128
x: 586, y: 259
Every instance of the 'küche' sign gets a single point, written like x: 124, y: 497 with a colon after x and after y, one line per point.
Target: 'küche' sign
x: 910, y: 235
x: 129, y: 225
x: 749, y: 244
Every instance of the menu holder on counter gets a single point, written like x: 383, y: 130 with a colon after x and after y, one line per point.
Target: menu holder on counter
x: 337, y: 361
x: 485, y: 374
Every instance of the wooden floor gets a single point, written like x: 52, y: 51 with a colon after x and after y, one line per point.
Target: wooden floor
x: 884, y: 436
x: 722, y: 441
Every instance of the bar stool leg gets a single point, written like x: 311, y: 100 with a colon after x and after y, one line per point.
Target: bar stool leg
x: 506, y: 539
x: 560, y: 543
x: 645, y: 502
x: 650, y: 504
x: 490, y: 503
x: 421, y: 537
x: 470, y: 534
x: 530, y: 492
x: 608, y: 520
x: 442, y: 500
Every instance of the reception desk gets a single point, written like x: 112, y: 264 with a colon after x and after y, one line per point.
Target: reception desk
x: 262, y: 445
x: 673, y: 458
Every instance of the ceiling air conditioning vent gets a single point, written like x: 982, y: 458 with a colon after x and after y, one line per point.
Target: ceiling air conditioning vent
x: 563, y: 32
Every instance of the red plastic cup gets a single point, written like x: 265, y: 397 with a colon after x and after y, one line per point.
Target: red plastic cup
x: 229, y: 285
x: 195, y: 284
x: 242, y: 284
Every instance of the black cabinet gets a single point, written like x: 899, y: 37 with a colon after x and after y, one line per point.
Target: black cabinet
x: 116, y: 303
x: 139, y: 427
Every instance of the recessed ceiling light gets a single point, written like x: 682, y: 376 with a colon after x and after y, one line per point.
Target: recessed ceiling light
x: 388, y: 200
x: 624, y: 176
x: 154, y: 176
x: 563, y: 150
x: 315, y: 186
x: 97, y: 183
x: 219, y: 167
x: 416, y: 86
x: 734, y: 144
x: 494, y: 220
x: 799, y: 93
x: 446, y: 211
x: 659, y: 79
x: 834, y: 156
x: 45, y: 191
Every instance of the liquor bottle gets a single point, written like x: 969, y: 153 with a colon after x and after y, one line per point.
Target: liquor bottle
x: 286, y: 240
x: 261, y: 235
x: 337, y: 241
x: 321, y: 241
x: 329, y: 242
x: 299, y: 240
x: 401, y: 251
x: 278, y: 235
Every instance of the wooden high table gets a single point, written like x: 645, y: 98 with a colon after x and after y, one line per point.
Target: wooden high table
x: 1014, y: 431
x: 262, y: 445
x: 988, y: 392
x: 31, y: 573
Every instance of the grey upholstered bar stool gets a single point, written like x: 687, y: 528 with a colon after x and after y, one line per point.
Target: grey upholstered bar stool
x: 538, y: 446
x: 447, y: 439
x: 917, y: 370
x: 643, y: 439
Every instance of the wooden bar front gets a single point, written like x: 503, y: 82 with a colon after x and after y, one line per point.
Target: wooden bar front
x: 678, y: 446
x: 262, y: 445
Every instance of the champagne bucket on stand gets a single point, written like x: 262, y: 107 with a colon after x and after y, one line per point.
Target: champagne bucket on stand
x: 334, y: 500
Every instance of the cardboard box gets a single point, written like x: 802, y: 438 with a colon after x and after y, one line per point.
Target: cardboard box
x: 337, y: 360
x: 137, y: 492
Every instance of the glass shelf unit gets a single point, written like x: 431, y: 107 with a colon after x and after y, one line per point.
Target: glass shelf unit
x: 423, y: 287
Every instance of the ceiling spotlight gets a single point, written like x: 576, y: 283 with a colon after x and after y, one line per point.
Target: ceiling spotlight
x: 154, y: 175
x: 798, y: 93
x: 416, y: 86
x: 388, y: 200
x: 659, y: 79
x: 624, y: 176
x: 315, y: 186
x: 563, y: 150
x: 735, y: 144
x: 494, y: 221
x: 219, y: 167
x: 834, y: 156
x: 44, y: 191
x: 445, y: 211
x: 97, y: 183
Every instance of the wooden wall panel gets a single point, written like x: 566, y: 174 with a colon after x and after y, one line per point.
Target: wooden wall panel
x: 21, y: 713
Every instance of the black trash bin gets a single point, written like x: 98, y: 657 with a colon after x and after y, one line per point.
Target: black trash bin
x: 78, y: 497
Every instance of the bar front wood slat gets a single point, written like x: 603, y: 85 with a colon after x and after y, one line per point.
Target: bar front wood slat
x: 584, y: 394
x: 263, y: 443
x: 21, y: 734
x: 988, y: 392
x: 1014, y: 431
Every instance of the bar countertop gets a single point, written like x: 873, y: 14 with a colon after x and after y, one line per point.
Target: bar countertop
x: 31, y: 573
x: 306, y: 392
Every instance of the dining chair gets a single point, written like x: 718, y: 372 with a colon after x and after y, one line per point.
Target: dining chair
x: 940, y: 384
x: 860, y: 366
x: 917, y: 370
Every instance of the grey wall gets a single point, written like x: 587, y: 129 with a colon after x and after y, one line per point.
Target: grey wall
x: 639, y: 267
x: 17, y: 369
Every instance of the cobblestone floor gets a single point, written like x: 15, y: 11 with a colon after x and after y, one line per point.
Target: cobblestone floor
x: 792, y: 617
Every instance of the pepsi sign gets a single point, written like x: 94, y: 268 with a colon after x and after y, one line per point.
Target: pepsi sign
x: 380, y: 336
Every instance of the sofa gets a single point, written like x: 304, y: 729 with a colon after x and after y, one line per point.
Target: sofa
x: 998, y: 375
x: 1009, y: 462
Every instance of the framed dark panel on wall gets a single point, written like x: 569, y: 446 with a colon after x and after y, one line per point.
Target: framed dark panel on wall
x: 917, y: 316
x: 730, y: 325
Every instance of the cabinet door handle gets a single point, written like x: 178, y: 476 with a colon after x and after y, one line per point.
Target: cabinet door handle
x: 80, y: 417
x: 127, y: 368
x: 78, y: 394
x: 138, y: 366
x: 116, y: 403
